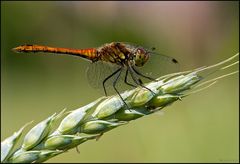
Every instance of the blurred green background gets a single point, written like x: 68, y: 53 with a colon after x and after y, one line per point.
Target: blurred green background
x: 201, y: 128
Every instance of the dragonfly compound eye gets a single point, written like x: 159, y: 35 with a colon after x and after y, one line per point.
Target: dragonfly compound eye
x: 140, y: 57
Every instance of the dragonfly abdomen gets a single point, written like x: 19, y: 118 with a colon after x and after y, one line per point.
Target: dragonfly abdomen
x: 89, y: 53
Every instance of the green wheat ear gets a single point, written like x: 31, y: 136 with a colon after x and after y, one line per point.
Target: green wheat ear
x: 106, y: 113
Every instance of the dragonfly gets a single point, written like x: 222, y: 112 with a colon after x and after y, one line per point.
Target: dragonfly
x: 123, y: 57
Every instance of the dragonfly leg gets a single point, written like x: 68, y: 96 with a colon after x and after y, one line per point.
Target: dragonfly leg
x: 109, y: 78
x: 138, y: 80
x: 125, y: 80
x: 140, y: 74
x: 114, y: 86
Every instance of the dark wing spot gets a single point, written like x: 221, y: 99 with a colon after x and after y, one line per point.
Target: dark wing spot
x: 174, y: 61
x: 153, y: 48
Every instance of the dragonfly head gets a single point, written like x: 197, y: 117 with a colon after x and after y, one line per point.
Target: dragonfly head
x: 141, y: 56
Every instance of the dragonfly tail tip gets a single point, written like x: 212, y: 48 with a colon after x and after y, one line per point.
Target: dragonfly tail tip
x: 16, y: 49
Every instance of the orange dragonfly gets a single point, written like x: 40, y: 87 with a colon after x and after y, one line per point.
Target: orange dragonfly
x: 117, y: 55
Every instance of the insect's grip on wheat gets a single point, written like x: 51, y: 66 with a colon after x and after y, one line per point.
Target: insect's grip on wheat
x: 93, y: 120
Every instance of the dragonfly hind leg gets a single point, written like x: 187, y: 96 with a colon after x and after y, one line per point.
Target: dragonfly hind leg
x: 114, y: 83
x: 114, y: 86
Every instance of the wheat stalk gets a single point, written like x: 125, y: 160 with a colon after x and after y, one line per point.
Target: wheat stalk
x: 93, y: 120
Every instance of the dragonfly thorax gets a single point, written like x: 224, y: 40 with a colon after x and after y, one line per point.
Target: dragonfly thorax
x: 122, y: 54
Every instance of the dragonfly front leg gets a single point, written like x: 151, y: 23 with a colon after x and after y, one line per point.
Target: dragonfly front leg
x: 140, y: 74
x: 138, y: 80
x: 114, y: 86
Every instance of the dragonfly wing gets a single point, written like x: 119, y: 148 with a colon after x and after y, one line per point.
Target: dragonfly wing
x: 99, y: 71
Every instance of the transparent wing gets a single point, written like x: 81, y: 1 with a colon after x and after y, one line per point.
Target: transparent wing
x: 97, y: 72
